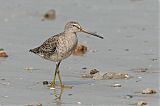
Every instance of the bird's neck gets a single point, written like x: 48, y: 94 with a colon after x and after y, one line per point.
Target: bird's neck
x: 69, y: 34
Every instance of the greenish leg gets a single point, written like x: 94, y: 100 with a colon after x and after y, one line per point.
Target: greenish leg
x: 62, y: 85
x: 53, y: 83
x: 59, y: 77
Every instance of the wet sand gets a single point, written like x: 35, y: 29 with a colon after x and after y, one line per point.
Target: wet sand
x: 130, y: 31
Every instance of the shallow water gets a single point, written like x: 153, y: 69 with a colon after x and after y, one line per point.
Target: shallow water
x: 130, y: 31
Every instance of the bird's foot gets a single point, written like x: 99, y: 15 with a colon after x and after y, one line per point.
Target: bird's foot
x: 64, y: 86
x: 52, y: 85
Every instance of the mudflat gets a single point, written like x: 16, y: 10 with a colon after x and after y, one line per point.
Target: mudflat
x: 130, y: 45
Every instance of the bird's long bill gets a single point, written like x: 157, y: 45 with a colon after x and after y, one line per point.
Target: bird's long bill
x: 91, y: 33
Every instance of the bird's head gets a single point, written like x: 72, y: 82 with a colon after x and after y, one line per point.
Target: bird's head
x: 72, y: 27
x: 75, y: 27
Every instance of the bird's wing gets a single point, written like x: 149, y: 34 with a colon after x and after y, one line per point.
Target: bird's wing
x: 50, y: 44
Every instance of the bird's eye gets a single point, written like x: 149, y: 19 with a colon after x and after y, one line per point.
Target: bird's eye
x: 74, y: 25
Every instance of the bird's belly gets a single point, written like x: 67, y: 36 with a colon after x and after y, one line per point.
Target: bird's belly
x: 60, y: 56
x: 64, y: 49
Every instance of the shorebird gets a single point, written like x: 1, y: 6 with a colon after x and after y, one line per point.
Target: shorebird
x: 61, y: 46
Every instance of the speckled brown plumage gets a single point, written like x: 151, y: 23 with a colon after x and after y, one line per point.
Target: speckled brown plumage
x: 61, y: 46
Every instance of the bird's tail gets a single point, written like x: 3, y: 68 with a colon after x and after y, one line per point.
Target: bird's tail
x: 35, y: 50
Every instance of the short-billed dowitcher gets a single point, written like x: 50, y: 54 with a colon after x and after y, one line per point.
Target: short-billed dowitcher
x: 61, y: 46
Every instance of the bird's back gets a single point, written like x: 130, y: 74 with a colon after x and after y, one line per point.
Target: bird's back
x: 57, y: 47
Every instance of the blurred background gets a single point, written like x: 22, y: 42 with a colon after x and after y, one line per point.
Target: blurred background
x: 130, y: 31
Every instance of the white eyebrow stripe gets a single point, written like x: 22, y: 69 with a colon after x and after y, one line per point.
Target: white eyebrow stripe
x: 77, y: 26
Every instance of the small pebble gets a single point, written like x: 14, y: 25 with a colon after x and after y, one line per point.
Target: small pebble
x: 141, y: 70
x: 3, y: 54
x: 30, y: 105
x: 39, y: 104
x: 49, y: 15
x: 117, y: 85
x: 141, y: 103
x: 5, y: 96
x: 79, y: 103
x: 109, y: 49
x: 70, y: 94
x: 97, y: 76
x: 5, y: 83
x: 84, y: 68
x: 87, y: 76
x: 126, y: 49
x: 94, y: 71
x: 113, y: 75
x: 80, y: 50
x: 154, y: 59
x: 148, y: 91
x: 45, y: 82
x: 129, y: 96
x: 138, y: 80
x: 3, y: 79
x: 90, y: 73
x: 52, y: 88
x: 140, y: 77
x: 30, y: 68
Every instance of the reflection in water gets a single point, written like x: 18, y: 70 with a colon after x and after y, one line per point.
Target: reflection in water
x: 2, y: 59
x: 58, y: 94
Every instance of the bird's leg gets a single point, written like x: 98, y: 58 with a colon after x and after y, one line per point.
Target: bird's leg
x: 58, y: 72
x: 62, y: 85
x: 53, y: 83
x: 59, y: 77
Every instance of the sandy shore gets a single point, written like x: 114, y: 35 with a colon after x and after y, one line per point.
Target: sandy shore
x: 130, y: 31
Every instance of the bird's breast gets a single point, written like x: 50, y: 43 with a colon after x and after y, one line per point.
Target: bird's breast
x: 66, y: 45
